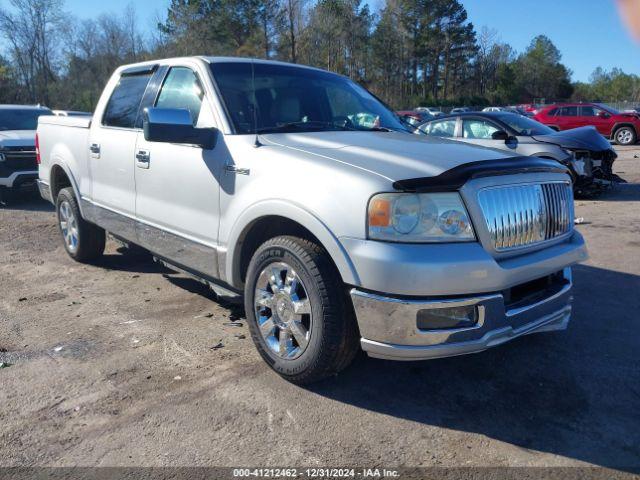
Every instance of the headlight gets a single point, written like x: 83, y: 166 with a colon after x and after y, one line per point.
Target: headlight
x: 419, y: 218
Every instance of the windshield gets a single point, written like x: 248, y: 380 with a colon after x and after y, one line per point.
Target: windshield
x: 282, y: 98
x: 524, y: 126
x: 21, y: 119
x: 608, y: 109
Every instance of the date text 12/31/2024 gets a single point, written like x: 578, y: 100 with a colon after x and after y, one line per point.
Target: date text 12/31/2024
x: 315, y: 473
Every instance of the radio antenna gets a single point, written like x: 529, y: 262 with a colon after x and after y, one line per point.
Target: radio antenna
x: 257, y: 143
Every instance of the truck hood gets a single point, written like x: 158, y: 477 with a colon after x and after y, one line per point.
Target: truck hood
x: 18, y: 138
x: 393, y: 155
x: 586, y: 138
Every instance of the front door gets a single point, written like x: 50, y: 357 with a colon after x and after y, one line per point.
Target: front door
x: 597, y: 117
x: 177, y: 188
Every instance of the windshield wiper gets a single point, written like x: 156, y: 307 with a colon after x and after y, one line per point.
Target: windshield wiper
x: 293, y: 126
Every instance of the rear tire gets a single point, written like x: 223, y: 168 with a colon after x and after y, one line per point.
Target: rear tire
x: 299, y: 314
x: 625, y: 136
x: 82, y: 240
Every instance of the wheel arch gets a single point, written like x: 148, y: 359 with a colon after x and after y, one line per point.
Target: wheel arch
x: 60, y: 177
x: 618, y: 125
x: 270, y: 219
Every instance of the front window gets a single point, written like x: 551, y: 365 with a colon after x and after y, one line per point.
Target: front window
x: 478, y: 129
x: 181, y: 89
x: 268, y: 98
x: 524, y: 126
x: 21, y: 119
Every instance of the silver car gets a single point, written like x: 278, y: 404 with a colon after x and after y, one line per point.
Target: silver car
x: 587, y: 154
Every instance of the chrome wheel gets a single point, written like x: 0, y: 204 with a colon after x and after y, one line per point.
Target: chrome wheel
x: 283, y: 310
x: 68, y: 226
x: 624, y: 136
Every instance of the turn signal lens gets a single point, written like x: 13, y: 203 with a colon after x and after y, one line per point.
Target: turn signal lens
x: 379, y: 212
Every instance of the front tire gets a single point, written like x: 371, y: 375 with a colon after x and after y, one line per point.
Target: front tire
x: 300, y: 317
x: 625, y: 136
x: 82, y: 240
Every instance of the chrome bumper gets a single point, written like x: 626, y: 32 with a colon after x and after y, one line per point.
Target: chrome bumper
x: 389, y: 326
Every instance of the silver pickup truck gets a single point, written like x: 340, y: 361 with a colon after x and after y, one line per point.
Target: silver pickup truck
x: 299, y: 190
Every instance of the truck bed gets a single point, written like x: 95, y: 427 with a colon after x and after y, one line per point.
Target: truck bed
x: 65, y: 138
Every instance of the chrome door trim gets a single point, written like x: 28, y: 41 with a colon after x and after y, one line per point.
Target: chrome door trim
x: 190, y: 253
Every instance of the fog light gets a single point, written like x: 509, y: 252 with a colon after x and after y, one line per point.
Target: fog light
x: 454, y: 317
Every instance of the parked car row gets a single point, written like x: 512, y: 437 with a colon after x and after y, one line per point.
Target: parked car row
x: 299, y: 191
x: 586, y: 153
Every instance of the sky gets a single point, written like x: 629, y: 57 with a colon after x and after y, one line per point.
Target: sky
x: 587, y: 32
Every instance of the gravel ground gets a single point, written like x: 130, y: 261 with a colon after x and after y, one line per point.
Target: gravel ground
x: 113, y: 365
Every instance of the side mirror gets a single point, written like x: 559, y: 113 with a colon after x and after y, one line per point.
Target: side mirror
x: 500, y: 135
x: 174, y: 125
x: 602, y: 114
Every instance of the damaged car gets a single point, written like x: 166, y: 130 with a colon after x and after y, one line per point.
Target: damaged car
x: 587, y: 154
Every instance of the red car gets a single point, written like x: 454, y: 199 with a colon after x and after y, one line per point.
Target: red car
x: 621, y: 127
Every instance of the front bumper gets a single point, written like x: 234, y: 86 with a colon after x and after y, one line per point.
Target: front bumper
x: 390, y: 330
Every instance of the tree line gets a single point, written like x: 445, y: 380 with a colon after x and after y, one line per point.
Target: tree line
x: 409, y: 52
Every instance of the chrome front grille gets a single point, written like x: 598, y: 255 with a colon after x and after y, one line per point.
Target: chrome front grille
x: 523, y: 215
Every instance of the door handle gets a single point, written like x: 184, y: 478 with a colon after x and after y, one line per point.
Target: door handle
x: 237, y: 170
x: 143, y: 157
x: 94, y: 148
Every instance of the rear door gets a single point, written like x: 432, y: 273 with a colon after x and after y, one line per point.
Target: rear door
x: 177, y: 187
x: 567, y: 117
x: 112, y: 141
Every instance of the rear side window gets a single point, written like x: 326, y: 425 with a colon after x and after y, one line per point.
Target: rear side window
x: 124, y: 103
x: 443, y: 128
x: 568, y: 112
x: 181, y: 89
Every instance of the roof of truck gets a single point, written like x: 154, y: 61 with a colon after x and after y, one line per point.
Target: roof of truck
x: 211, y: 59
x: 252, y: 60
